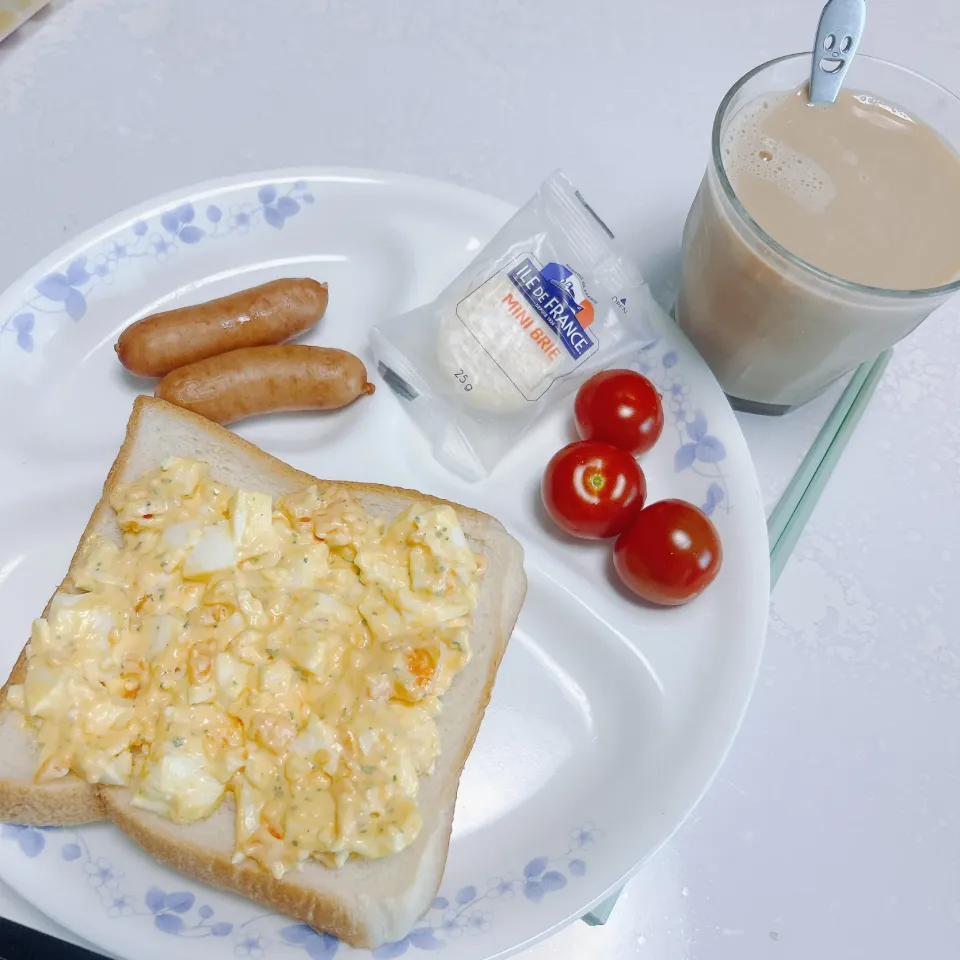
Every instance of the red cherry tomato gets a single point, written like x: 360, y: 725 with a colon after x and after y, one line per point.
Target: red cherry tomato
x: 670, y: 554
x: 593, y: 490
x: 619, y: 407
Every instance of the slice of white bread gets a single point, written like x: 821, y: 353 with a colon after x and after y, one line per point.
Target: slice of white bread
x: 364, y: 903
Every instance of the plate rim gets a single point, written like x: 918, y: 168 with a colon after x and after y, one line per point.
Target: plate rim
x: 455, y: 195
x: 126, y: 216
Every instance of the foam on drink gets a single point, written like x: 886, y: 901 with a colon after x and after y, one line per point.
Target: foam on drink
x: 858, y: 188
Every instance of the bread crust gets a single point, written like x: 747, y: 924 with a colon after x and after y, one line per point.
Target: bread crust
x: 360, y: 919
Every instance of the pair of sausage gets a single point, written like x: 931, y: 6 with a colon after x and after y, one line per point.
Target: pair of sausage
x: 224, y: 360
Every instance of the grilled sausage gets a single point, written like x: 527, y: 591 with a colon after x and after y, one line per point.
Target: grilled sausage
x: 244, y: 383
x: 259, y: 316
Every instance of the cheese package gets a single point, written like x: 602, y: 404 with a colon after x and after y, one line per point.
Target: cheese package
x: 548, y: 302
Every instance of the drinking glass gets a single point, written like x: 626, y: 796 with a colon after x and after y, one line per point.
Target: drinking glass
x: 776, y: 330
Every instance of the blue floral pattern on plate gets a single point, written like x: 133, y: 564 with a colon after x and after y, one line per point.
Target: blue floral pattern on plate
x: 698, y: 450
x: 451, y: 917
x: 67, y: 292
x: 470, y: 909
x: 171, y: 912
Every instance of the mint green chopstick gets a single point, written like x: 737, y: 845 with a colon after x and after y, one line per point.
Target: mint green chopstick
x: 794, y: 507
x: 791, y: 513
x: 600, y: 914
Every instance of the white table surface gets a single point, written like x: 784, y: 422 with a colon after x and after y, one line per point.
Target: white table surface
x: 833, y: 831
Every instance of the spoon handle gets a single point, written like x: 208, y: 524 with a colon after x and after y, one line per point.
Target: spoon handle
x: 838, y: 36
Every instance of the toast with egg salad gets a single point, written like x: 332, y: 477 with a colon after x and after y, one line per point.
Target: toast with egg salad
x: 270, y: 682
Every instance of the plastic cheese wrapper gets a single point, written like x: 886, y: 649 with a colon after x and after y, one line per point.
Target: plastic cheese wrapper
x: 548, y: 302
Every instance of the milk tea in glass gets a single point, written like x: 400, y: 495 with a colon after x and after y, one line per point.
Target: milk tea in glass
x: 822, y: 234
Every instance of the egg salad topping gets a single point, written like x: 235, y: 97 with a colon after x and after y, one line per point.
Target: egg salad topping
x: 290, y: 651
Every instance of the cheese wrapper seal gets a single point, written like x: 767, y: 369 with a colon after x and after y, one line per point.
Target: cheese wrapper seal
x: 548, y: 302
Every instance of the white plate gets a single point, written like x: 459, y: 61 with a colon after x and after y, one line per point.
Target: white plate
x: 608, y: 719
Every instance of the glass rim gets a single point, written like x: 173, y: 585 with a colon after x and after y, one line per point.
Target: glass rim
x: 762, y: 235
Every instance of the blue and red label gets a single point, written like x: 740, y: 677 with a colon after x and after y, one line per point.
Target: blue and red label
x: 557, y: 296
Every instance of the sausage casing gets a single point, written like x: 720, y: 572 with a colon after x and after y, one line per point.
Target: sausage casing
x: 244, y: 383
x: 268, y: 314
